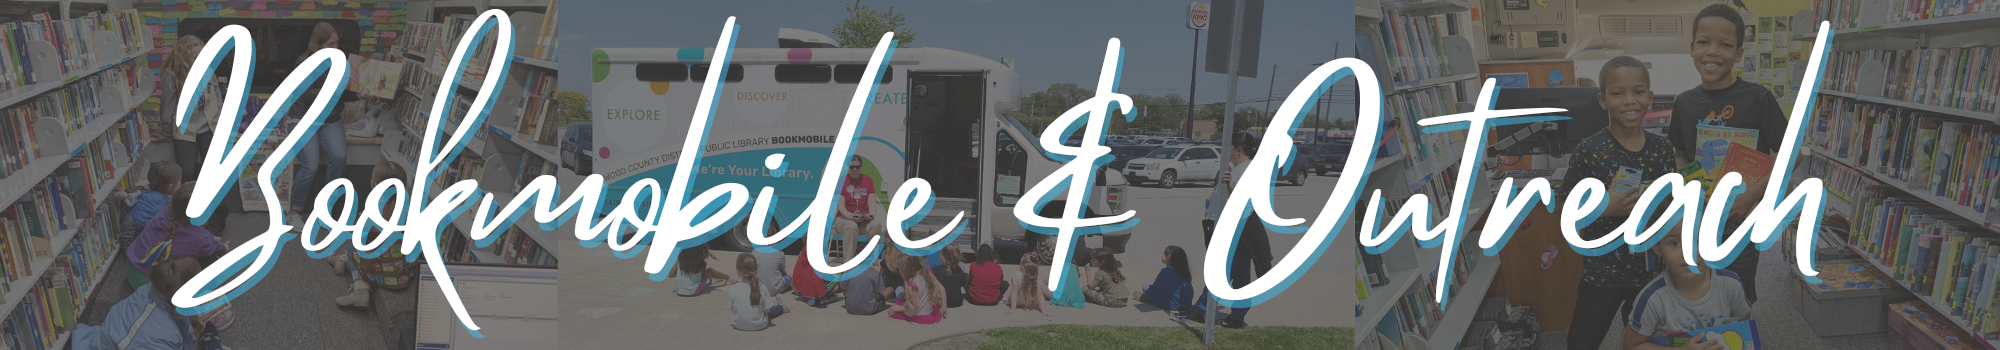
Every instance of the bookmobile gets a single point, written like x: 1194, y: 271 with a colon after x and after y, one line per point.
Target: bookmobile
x: 81, y: 87
x: 1903, y: 133
x: 957, y: 131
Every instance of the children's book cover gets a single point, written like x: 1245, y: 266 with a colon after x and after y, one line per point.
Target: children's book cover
x: 1735, y: 336
x: 1753, y: 165
x: 1713, y: 144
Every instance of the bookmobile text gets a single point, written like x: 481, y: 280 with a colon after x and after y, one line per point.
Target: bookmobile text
x: 666, y: 219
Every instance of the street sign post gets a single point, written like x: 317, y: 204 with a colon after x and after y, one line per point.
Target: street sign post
x: 1197, y: 15
x: 1197, y: 20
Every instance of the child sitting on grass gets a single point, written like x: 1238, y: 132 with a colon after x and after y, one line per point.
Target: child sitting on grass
x: 692, y: 275
x: 1172, y: 289
x: 1028, y: 292
x: 923, y: 298
x: 1105, y: 285
x: 987, y: 281
x: 1680, y: 301
x: 754, y: 308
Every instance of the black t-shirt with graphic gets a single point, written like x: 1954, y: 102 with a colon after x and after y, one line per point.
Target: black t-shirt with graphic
x: 1742, y: 105
x: 1602, y: 158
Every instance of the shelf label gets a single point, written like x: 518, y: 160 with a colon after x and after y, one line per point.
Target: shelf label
x: 1871, y: 28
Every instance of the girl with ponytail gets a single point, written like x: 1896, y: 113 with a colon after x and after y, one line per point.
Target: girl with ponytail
x: 754, y: 308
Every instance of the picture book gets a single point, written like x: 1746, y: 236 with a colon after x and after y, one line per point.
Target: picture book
x: 1713, y: 144
x: 1753, y: 165
x: 374, y: 78
x: 1735, y: 336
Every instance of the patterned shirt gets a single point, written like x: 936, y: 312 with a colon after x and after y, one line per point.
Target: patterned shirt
x: 1601, y: 157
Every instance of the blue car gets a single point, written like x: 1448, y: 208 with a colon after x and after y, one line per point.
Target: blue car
x: 576, y: 148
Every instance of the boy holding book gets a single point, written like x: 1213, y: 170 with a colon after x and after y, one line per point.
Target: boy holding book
x: 1724, y: 100
x: 1681, y: 301
x: 1621, y: 156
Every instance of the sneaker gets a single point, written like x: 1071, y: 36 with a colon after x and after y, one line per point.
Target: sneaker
x: 223, y: 320
x: 357, y: 295
x: 339, y: 262
x: 1234, y: 323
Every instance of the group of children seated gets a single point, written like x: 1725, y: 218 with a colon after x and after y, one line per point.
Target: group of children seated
x: 919, y: 289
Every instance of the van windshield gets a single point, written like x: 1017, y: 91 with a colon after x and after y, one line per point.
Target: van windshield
x: 1166, y: 153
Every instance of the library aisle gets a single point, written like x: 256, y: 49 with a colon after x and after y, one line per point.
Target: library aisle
x: 293, y: 308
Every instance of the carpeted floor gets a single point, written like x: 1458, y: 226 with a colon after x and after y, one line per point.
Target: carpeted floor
x: 292, y: 307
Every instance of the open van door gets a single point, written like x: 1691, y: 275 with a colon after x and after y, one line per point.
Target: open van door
x: 943, y: 134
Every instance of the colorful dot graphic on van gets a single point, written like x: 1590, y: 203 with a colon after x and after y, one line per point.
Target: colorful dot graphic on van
x: 799, y: 55
x: 604, y: 152
x: 690, y: 54
x: 660, y: 87
x: 600, y: 66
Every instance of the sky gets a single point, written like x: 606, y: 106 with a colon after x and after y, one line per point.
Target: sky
x: 1051, y: 41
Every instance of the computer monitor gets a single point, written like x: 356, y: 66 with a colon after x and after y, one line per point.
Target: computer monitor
x: 515, y: 306
x: 1559, y: 137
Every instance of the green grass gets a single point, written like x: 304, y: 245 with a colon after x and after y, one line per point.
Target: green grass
x: 1125, y: 337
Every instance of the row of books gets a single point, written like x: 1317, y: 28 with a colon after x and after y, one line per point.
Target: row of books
x: 74, y: 106
x: 1415, y: 44
x: 477, y: 57
x: 74, y: 41
x: 29, y: 227
x: 515, y: 247
x: 1935, y: 256
x: 1407, y: 108
x: 534, y: 167
x: 539, y: 118
x: 424, y: 37
x: 1962, y: 78
x: 52, y: 305
x: 456, y: 247
x: 1416, y: 312
x: 1936, y: 155
x: 1839, y: 180
x: 1849, y: 13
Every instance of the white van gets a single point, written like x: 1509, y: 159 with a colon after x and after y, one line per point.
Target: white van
x: 941, y: 115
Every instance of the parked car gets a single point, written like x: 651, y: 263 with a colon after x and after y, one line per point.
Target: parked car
x: 1168, y: 166
x: 1123, y: 154
x: 1302, y: 166
x: 576, y: 148
x: 1153, y: 142
x: 1328, y: 157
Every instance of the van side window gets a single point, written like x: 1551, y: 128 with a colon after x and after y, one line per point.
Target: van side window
x: 1010, y: 167
x: 803, y: 73
x: 699, y: 72
x: 661, y: 72
x: 851, y: 73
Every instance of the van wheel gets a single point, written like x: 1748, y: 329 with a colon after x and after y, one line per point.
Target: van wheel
x: 738, y: 239
x: 1299, y: 179
x: 1169, y: 179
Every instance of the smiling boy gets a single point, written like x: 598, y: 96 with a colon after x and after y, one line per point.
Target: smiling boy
x: 1611, y: 281
x: 1682, y: 301
x: 1724, y: 100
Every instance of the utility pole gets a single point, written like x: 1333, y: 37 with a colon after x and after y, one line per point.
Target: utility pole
x: 1268, y: 93
x: 1194, y: 70
x: 1228, y: 138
